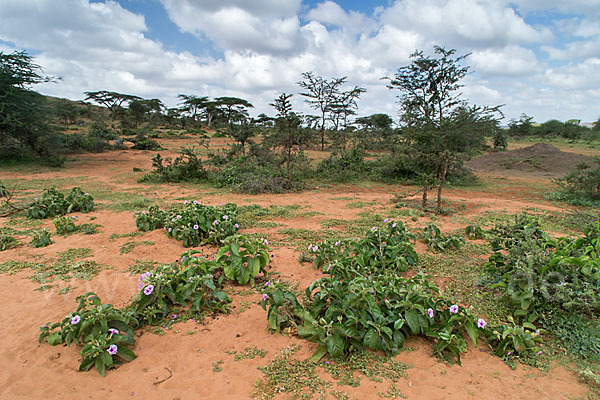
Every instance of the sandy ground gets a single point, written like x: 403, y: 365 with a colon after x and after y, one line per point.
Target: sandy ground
x: 188, y: 350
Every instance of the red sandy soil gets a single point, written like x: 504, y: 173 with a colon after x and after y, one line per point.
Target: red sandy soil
x: 30, y: 370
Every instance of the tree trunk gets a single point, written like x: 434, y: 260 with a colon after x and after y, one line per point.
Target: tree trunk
x: 424, y: 203
x: 442, y: 181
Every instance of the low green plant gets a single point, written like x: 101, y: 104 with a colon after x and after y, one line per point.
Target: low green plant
x: 437, y: 242
x: 41, y: 238
x: 475, y: 232
x: 103, y: 331
x: 53, y: 203
x: 7, y: 242
x: 128, y: 247
x: 65, y: 225
x: 197, y: 223
x: 191, y: 281
x: 150, y: 220
x: 243, y: 258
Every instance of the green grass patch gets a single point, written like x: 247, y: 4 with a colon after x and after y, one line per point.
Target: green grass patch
x: 128, y: 247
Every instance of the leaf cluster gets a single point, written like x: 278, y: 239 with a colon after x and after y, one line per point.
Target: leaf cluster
x: 53, y: 203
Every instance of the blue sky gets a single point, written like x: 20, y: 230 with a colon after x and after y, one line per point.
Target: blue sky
x: 539, y: 57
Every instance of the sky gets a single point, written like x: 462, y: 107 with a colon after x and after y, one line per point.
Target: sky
x: 538, y: 57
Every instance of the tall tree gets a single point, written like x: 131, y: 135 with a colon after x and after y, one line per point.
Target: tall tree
x: 320, y: 95
x: 192, y: 104
x: 233, y: 107
x: 434, y: 114
x: 22, y: 111
x: 111, y: 100
x: 288, y: 136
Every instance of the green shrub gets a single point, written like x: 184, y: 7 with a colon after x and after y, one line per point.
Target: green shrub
x: 577, y: 334
x: 41, y: 238
x: 141, y: 142
x: 440, y: 243
x: 53, y: 203
x: 537, y: 273
x: 581, y: 186
x: 344, y: 166
x: 187, y: 167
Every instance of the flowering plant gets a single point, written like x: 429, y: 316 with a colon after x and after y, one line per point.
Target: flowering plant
x: 54, y: 203
x: 102, y: 330
x: 243, y: 258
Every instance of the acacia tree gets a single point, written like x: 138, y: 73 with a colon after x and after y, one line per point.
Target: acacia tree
x: 111, y: 100
x: 22, y: 111
x: 192, y: 104
x: 320, y: 95
x: 435, y: 118
x: 287, y: 135
x: 233, y: 107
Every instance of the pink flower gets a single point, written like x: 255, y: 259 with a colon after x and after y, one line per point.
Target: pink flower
x: 265, y: 297
x: 113, y: 331
x: 481, y: 323
x: 386, y: 220
x: 430, y: 312
x: 149, y: 289
x: 75, y: 320
x: 112, y: 349
x: 454, y: 309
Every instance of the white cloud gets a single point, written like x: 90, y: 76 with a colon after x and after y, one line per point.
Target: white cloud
x: 266, y: 44
x: 508, y: 61
x: 260, y: 25
x: 470, y: 23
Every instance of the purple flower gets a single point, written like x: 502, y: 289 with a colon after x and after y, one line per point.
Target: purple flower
x: 149, y: 289
x: 144, y: 276
x: 189, y: 280
x: 268, y: 283
x: 179, y: 217
x: 509, y: 353
x: 75, y: 320
x: 337, y: 243
x: 140, y: 286
x: 184, y: 202
x: 264, y: 297
x: 454, y: 309
x: 225, y: 217
x: 196, y: 227
x: 112, y: 349
x: 144, y: 212
x: 373, y: 229
x: 170, y: 229
x: 215, y: 222
x: 310, y: 246
x: 86, y: 194
x: 481, y: 323
x: 430, y: 312
x: 113, y: 331
x: 328, y: 267
x: 386, y: 220
x: 394, y: 225
x: 265, y: 242
x: 315, y: 248
x: 174, y: 316
x: 74, y: 217
x: 237, y: 226
x: 195, y: 202
x: 539, y: 352
x: 36, y: 199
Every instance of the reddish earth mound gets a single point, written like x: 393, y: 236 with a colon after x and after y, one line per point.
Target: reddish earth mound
x: 541, y: 159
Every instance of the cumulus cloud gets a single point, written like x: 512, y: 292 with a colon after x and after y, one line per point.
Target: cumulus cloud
x: 264, y: 46
x: 260, y: 25
x: 469, y: 23
x: 508, y: 61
